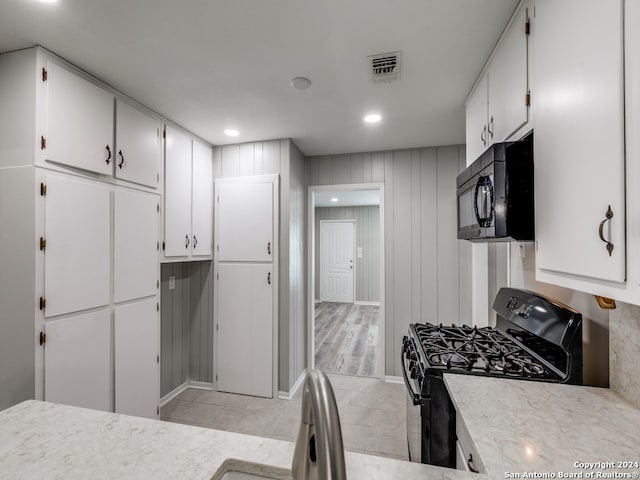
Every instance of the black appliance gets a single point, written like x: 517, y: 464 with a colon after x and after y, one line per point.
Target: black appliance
x: 535, y: 338
x: 495, y: 194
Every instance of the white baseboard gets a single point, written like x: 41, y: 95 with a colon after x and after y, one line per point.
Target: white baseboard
x: 291, y: 393
x: 317, y: 301
x: 188, y: 384
x: 393, y: 379
x: 374, y: 304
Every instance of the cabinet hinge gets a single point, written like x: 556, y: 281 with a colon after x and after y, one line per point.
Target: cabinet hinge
x: 218, y: 198
x: 217, y: 248
x: 43, y: 243
x: 158, y: 410
x: 217, y: 276
x: 43, y: 189
x: 43, y: 338
x: 45, y: 74
x: 527, y: 100
x: 43, y: 303
x: 216, y: 377
x: 43, y: 142
x: 157, y: 358
x: 527, y: 27
x: 216, y: 327
x: 157, y: 307
x: 158, y: 208
x: 158, y: 246
x: 157, y: 178
x: 157, y: 283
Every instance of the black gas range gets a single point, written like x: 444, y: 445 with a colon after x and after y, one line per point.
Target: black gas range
x: 535, y: 339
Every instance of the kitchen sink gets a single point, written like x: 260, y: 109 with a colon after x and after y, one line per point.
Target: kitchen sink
x: 233, y: 469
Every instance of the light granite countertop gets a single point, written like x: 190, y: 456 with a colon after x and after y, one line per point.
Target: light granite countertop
x: 49, y: 441
x: 535, y: 427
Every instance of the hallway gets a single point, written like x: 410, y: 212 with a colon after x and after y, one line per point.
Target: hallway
x: 347, y: 338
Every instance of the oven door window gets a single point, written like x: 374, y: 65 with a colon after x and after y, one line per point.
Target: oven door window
x: 483, y: 203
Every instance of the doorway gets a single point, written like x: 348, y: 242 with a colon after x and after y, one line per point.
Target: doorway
x: 346, y: 272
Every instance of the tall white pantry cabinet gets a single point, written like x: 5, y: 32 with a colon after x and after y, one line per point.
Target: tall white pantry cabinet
x: 79, y: 237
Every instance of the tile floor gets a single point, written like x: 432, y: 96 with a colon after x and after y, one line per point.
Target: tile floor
x: 372, y: 414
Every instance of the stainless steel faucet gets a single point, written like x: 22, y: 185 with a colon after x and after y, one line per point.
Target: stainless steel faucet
x: 319, y: 452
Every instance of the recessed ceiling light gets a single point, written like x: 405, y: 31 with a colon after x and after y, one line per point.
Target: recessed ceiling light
x: 334, y: 199
x: 231, y: 132
x: 373, y: 118
x: 300, y: 83
x: 48, y: 1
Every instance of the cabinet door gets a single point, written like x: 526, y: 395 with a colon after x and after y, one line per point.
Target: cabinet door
x: 476, y: 117
x: 579, y: 142
x: 77, y: 361
x: 135, y: 249
x: 508, y: 86
x: 245, y: 329
x: 138, y: 146
x: 245, y: 222
x: 79, y: 122
x: 136, y: 359
x: 202, y: 204
x: 77, y: 254
x: 177, y: 192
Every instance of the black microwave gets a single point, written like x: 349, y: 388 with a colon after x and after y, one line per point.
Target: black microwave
x: 495, y: 194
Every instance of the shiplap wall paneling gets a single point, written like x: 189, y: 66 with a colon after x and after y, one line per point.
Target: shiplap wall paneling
x: 448, y: 263
x: 201, y: 329
x: 174, y: 330
x: 464, y: 257
x: 428, y: 235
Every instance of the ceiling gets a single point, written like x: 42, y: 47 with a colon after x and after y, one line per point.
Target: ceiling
x: 209, y: 65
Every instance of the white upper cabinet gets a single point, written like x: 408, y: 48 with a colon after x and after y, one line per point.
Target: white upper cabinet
x: 579, y: 138
x: 135, y: 248
x: 476, y: 127
x: 79, y: 122
x: 245, y: 222
x: 508, y: 82
x: 177, y: 191
x: 77, y: 253
x: 202, y: 200
x: 499, y: 104
x: 188, y: 213
x: 138, y: 150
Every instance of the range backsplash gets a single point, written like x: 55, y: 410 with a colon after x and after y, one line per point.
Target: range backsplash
x: 624, y: 352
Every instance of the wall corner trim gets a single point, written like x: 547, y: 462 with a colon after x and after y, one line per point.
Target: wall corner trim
x: 291, y: 393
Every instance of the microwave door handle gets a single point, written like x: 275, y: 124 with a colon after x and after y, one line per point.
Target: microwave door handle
x: 476, y: 208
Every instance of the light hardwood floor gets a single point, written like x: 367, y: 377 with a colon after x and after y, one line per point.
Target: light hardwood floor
x: 372, y: 414
x: 347, y: 338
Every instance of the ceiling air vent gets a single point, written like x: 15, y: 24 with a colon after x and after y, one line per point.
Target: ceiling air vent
x: 385, y: 67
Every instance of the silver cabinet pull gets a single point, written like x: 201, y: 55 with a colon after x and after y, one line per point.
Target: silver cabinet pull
x: 608, y: 216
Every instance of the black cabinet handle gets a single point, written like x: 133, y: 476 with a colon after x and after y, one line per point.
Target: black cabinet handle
x: 108, y: 160
x: 186, y: 241
x: 121, y: 159
x: 269, y: 278
x: 608, y: 216
x: 490, y: 127
x: 470, y: 465
x: 269, y: 248
x: 195, y: 241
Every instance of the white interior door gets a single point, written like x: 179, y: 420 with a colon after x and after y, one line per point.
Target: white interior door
x: 138, y: 147
x: 245, y: 222
x: 202, y: 204
x: 77, y: 361
x: 135, y: 245
x: 336, y: 261
x: 136, y: 359
x: 177, y: 191
x: 245, y: 329
x: 77, y: 255
x: 79, y: 122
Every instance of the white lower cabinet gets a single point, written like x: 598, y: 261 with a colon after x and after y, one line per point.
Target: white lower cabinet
x: 77, y: 360
x: 245, y: 329
x: 137, y: 375
x: 135, y: 248
x: 76, y: 244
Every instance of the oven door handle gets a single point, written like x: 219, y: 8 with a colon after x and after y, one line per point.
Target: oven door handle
x: 415, y: 397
